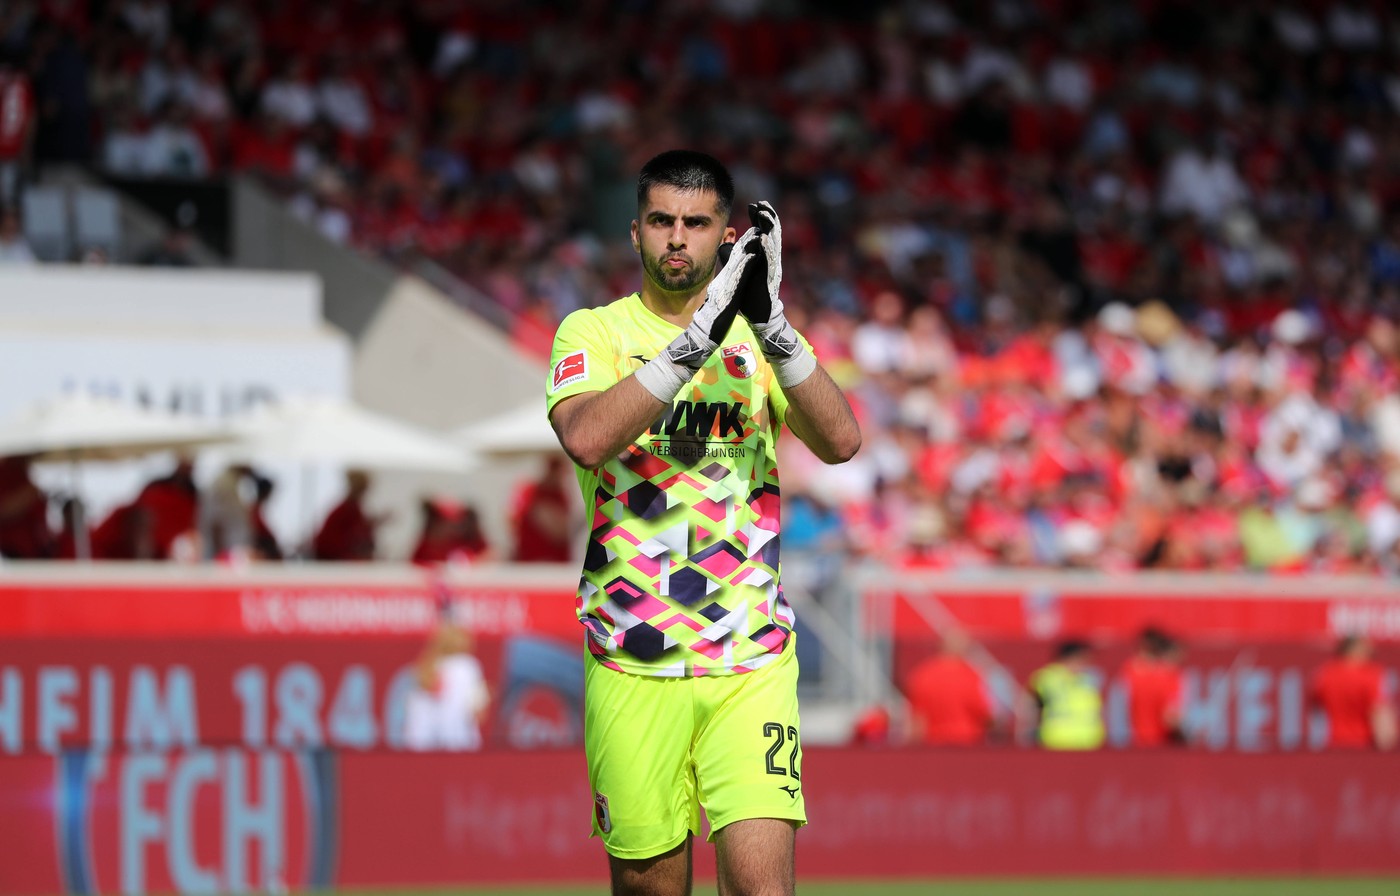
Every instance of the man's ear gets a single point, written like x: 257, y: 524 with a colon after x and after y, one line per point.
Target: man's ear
x: 636, y: 241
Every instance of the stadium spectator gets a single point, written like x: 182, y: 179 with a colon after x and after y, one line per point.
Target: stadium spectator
x: 171, y: 507
x: 128, y: 533
x: 947, y: 699
x: 1152, y: 678
x: 1068, y: 700
x: 24, y: 524
x: 451, y: 533
x: 173, y: 250
x: 1350, y: 691
x: 170, y: 146
x: 542, y: 515
x: 264, y: 541
x: 14, y: 248
x: 16, y: 127
x: 225, y: 518
x: 449, y: 700
x: 348, y: 531
x: 72, y: 541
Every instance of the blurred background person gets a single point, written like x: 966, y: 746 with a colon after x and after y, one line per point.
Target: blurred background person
x: 1350, y: 691
x: 16, y: 125
x: 127, y: 533
x: 450, y: 697
x: 14, y: 247
x: 541, y: 515
x: 948, y: 700
x: 73, y: 533
x: 348, y: 532
x: 224, y: 517
x: 172, y: 504
x: 1068, y: 700
x: 1152, y: 677
x: 451, y: 533
x: 24, y: 514
x: 264, y: 540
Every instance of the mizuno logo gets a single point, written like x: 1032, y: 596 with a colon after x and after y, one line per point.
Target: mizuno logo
x: 640, y: 358
x: 790, y: 791
x: 702, y: 418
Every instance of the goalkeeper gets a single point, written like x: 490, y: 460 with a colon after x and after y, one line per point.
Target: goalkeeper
x: 670, y: 402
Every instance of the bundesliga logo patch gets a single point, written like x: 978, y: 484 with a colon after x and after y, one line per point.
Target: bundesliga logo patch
x: 738, y: 360
x: 600, y: 811
x: 570, y: 369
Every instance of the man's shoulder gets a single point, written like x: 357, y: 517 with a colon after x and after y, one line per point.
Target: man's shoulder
x: 609, y: 318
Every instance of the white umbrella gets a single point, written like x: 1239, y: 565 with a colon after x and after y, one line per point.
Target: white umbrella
x: 332, y: 430
x: 314, y: 430
x: 525, y: 430
x: 77, y: 427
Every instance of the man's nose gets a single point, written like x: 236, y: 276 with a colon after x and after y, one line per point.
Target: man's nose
x: 677, y: 237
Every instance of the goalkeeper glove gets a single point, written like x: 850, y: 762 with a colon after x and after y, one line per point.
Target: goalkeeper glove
x: 664, y: 375
x: 792, y: 362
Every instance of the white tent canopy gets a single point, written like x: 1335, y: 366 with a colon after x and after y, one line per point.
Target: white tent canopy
x: 336, y: 431
x: 525, y: 430
x: 76, y: 426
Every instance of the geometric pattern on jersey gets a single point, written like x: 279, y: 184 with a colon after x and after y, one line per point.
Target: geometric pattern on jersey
x: 681, y: 575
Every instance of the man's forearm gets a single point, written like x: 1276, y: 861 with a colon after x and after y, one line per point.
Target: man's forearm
x: 820, y: 416
x: 597, y: 426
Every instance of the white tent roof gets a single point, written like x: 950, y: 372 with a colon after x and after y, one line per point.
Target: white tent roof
x: 331, y: 430
x: 77, y: 426
x: 521, y: 431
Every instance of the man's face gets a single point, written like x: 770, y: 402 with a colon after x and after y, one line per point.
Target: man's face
x: 678, y: 235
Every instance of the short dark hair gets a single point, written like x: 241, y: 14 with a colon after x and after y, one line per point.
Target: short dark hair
x: 1156, y: 641
x: 690, y: 171
x: 1071, y: 648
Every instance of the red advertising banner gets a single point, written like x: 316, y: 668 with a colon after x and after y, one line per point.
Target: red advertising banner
x: 291, y: 658
x: 157, y: 657
x: 145, y: 693
x: 107, y: 601
x: 230, y: 820
x: 1201, y: 607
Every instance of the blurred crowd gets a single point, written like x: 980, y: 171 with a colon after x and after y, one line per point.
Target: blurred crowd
x: 1114, y: 284
x: 173, y: 518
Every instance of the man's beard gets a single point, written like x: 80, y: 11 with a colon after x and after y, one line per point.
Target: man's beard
x: 685, y: 280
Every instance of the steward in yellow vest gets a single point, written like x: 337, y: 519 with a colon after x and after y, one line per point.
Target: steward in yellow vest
x: 1071, y: 710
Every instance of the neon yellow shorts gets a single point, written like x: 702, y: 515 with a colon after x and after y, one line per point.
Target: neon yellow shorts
x: 661, y: 748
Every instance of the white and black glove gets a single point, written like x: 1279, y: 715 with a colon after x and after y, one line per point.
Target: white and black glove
x: 792, y: 362
x: 665, y: 375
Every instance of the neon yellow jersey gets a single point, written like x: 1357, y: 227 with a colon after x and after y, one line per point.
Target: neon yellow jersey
x: 681, y: 576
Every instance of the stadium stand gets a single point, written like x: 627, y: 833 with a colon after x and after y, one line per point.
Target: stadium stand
x: 1112, y: 284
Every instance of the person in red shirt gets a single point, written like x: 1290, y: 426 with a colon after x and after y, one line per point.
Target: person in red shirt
x: 24, y: 508
x: 128, y: 533
x: 451, y: 534
x: 1350, y: 691
x: 172, y: 504
x: 16, y: 127
x: 1153, y: 680
x: 348, y: 531
x: 541, y: 516
x: 947, y: 700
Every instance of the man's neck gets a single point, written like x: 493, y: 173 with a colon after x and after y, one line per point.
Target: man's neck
x: 674, y: 307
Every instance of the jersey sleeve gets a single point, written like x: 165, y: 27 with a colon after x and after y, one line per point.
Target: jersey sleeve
x: 582, y: 359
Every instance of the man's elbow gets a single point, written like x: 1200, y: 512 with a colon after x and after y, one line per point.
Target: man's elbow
x: 842, y: 449
x: 582, y: 450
